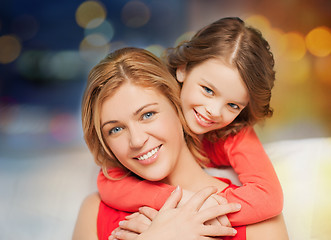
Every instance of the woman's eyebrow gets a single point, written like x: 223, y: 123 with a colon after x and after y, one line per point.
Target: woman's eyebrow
x: 111, y: 121
x: 134, y: 114
x: 143, y: 107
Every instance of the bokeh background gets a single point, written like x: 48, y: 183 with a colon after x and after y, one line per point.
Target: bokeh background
x: 47, y: 49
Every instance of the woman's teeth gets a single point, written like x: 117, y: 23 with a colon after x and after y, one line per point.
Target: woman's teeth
x: 149, y: 154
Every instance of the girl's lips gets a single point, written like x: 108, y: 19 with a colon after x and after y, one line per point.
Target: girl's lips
x: 202, y: 120
x: 149, y: 157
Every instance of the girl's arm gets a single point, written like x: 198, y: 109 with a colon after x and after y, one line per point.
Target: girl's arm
x: 130, y: 193
x: 177, y: 222
x: 260, y: 195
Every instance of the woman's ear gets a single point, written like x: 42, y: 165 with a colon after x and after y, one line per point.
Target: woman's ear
x: 181, y: 73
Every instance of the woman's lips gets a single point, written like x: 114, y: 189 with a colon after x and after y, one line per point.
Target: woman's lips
x: 149, y: 157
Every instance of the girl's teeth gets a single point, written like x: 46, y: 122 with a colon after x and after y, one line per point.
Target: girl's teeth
x: 202, y: 119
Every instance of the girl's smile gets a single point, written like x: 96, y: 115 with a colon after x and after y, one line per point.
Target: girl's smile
x: 213, y: 94
x: 203, y: 121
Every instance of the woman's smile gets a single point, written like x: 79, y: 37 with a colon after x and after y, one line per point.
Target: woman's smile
x: 149, y: 157
x: 143, y: 131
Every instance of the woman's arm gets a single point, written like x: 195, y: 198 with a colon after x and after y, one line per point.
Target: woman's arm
x: 86, y: 224
x: 261, y: 194
x: 271, y: 229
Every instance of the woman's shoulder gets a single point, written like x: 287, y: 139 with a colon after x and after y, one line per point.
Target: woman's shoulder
x: 85, y: 227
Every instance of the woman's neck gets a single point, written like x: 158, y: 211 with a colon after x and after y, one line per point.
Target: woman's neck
x: 190, y: 176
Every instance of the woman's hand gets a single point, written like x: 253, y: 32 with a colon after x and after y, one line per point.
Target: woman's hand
x: 185, y: 222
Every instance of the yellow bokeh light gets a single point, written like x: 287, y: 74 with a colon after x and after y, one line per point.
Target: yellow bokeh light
x: 323, y: 70
x: 10, y: 48
x: 135, y: 14
x: 295, y: 46
x: 294, y: 73
x: 260, y: 22
x: 277, y: 42
x: 318, y: 41
x: 90, y: 14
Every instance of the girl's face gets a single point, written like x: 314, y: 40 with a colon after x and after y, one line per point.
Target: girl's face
x: 143, y: 131
x: 212, y: 95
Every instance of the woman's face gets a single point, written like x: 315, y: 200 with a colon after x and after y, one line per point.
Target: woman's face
x: 212, y: 96
x: 143, y: 131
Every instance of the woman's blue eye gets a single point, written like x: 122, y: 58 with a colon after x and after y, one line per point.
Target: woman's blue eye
x: 147, y: 115
x: 208, y: 90
x: 115, y: 130
x: 234, y: 106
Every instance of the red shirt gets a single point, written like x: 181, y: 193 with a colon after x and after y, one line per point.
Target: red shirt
x: 260, y: 195
x: 108, y: 219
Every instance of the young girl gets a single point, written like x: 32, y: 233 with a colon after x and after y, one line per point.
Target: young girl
x: 131, y: 106
x: 226, y: 73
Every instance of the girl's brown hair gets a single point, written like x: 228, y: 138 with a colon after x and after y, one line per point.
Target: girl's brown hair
x: 241, y: 47
x: 139, y: 67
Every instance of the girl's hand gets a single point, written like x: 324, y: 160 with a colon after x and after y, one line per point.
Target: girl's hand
x: 134, y: 224
x: 186, y: 222
x: 212, y: 201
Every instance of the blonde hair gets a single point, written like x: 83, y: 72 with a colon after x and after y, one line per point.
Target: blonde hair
x: 239, y: 46
x: 139, y: 67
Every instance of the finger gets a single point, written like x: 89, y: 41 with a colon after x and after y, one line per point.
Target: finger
x: 195, y: 203
x: 125, y: 235
x: 208, y: 238
x: 220, y: 210
x: 214, y: 222
x: 220, y: 199
x: 148, y: 212
x: 133, y: 215
x: 112, y: 236
x: 224, y: 221
x: 215, y: 231
x: 135, y: 225
x: 173, y: 200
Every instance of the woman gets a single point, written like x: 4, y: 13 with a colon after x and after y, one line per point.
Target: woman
x: 132, y: 119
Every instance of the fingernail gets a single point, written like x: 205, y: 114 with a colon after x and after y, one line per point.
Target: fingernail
x: 176, y: 189
x: 238, y: 206
x: 121, y: 223
x: 234, y: 231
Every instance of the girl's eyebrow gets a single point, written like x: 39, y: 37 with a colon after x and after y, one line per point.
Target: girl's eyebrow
x: 210, y: 85
x: 134, y: 114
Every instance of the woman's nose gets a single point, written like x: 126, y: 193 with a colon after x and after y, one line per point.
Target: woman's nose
x: 138, y: 137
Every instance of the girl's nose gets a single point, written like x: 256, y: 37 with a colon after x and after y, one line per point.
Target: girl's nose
x: 214, y: 110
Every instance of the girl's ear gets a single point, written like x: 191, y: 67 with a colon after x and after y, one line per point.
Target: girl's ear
x: 181, y: 73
